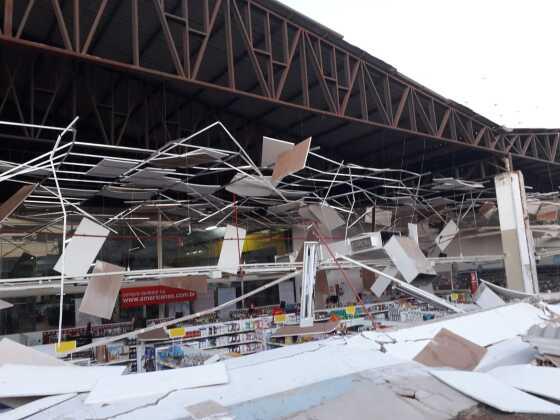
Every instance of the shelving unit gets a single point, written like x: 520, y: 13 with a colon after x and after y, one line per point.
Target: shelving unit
x: 119, y: 362
x: 232, y: 344
x: 242, y: 337
x: 216, y: 335
x: 212, y: 336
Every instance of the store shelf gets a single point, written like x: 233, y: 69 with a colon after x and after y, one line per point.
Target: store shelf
x: 229, y: 345
x: 202, y: 337
x: 117, y: 362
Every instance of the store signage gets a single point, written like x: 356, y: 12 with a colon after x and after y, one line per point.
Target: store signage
x: 133, y: 297
x: 65, y: 346
x: 176, y: 332
x: 279, y: 318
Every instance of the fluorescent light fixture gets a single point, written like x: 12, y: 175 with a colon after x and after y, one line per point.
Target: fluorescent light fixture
x: 211, y: 227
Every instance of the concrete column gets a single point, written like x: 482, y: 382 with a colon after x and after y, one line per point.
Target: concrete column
x: 517, y: 239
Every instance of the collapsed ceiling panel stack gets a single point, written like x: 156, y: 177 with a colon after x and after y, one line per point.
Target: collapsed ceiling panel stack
x: 290, y: 177
x: 126, y: 193
x: 111, y: 168
x: 151, y: 178
x: 189, y: 159
x: 194, y: 186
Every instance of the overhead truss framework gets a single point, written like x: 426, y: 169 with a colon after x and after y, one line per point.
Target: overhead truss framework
x: 261, y: 50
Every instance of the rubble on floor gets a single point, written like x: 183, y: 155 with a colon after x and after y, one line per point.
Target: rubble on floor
x: 371, y: 374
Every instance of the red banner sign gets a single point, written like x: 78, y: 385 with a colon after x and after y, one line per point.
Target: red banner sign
x: 133, y: 297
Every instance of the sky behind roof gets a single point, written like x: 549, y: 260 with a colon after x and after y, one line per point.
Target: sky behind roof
x: 498, y: 57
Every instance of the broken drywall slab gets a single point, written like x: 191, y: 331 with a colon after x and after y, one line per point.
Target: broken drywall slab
x: 417, y: 387
x: 508, y: 352
x: 272, y: 149
x: 371, y: 394
x: 370, y: 401
x: 102, y: 291
x: 447, y: 349
x: 408, y: 288
x: 507, y: 293
x: 291, y: 161
x: 272, y: 372
x: 447, y: 235
x: 232, y: 247
x: 486, y: 298
x: 37, y: 406
x: 109, y: 390
x: 542, y: 381
x: 433, y: 400
x: 408, y: 258
x: 76, y: 409
x: 28, y: 381
x: 490, y: 391
x: 12, y: 352
x: 82, y: 249
x: 382, y: 282
x: 499, y: 324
